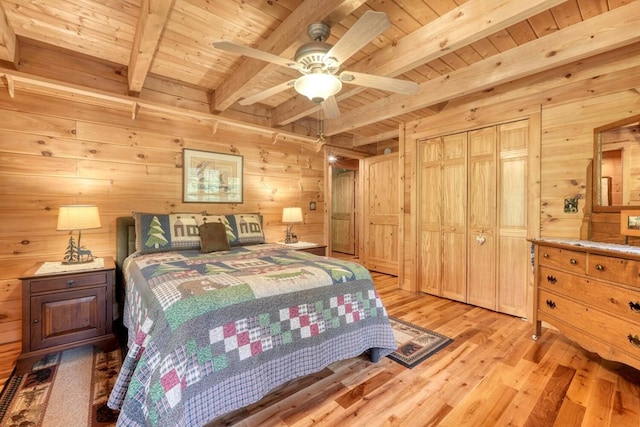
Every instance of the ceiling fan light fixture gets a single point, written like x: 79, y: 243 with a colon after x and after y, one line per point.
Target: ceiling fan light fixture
x: 318, y: 86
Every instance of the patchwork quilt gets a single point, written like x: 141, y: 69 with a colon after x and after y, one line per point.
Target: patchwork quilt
x: 210, y: 333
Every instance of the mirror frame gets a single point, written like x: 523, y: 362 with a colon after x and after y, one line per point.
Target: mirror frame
x: 597, y: 166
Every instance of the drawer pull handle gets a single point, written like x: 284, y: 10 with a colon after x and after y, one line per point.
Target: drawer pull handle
x: 551, y: 304
x: 573, y: 261
x: 70, y: 283
x: 551, y: 279
x: 599, y: 267
x: 635, y: 306
x: 633, y: 339
x: 545, y: 255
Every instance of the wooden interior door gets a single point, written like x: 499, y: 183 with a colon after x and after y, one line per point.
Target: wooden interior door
x: 514, y: 253
x: 454, y: 217
x: 430, y: 217
x: 381, y: 211
x: 481, y: 217
x: 343, y: 231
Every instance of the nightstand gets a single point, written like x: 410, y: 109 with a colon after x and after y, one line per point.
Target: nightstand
x: 312, y: 248
x: 66, y: 309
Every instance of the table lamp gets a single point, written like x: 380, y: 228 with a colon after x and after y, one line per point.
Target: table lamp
x: 291, y: 216
x: 77, y: 218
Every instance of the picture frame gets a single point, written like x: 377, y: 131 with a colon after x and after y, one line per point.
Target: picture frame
x: 630, y: 222
x: 211, y: 177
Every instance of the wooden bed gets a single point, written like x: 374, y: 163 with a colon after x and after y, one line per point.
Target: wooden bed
x: 211, y: 333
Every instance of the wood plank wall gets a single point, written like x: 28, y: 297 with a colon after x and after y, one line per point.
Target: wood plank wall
x: 56, y: 151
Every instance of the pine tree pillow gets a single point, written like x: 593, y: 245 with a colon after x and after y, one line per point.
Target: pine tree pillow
x: 167, y: 232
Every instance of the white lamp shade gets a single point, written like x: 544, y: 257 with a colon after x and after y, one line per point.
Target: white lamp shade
x: 78, y: 217
x: 318, y: 86
x: 291, y: 215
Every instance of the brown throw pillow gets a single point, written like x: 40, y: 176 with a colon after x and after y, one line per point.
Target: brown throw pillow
x: 213, y: 237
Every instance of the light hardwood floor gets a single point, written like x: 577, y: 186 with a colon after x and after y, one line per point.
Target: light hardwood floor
x: 493, y: 374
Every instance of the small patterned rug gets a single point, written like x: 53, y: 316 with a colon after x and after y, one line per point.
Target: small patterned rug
x: 67, y: 388
x: 415, y: 344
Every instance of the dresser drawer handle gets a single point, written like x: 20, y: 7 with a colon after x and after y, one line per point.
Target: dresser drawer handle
x: 599, y: 267
x: 545, y: 255
x: 635, y: 306
x: 573, y: 261
x: 551, y: 304
x: 551, y: 279
x: 633, y: 339
x: 70, y: 283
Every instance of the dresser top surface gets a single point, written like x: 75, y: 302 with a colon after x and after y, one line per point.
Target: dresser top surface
x: 591, y: 246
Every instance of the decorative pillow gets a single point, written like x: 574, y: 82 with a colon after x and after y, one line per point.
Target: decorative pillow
x: 242, y: 229
x: 213, y: 237
x: 167, y: 232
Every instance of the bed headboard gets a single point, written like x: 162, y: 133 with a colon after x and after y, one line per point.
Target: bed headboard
x: 125, y: 240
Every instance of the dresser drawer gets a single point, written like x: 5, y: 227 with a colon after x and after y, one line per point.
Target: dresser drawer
x: 609, y: 298
x: 563, y: 259
x: 616, y: 332
x: 626, y: 271
x: 68, y: 282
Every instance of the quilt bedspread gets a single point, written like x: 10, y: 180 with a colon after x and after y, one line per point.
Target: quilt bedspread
x: 210, y: 333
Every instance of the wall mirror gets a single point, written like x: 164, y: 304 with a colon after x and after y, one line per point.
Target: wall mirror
x: 616, y: 160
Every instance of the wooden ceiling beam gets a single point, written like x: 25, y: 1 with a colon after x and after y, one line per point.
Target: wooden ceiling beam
x: 151, y: 23
x: 385, y: 136
x: 251, y: 71
x: 449, y: 32
x: 599, y: 34
x: 8, y: 41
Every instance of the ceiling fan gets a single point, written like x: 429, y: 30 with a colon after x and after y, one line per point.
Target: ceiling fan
x: 319, y: 62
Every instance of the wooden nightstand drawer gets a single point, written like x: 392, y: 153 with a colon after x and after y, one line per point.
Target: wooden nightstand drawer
x: 72, y: 281
x: 318, y: 250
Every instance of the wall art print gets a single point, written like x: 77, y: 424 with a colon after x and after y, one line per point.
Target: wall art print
x: 211, y: 177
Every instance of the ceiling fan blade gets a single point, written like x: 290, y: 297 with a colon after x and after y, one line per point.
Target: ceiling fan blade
x: 266, y: 93
x: 254, y: 53
x: 330, y: 108
x: 388, y: 84
x: 359, y: 35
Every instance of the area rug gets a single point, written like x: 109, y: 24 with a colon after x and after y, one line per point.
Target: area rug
x: 415, y: 344
x: 67, y: 388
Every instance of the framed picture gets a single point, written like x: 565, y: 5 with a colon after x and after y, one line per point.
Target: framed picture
x: 211, y: 177
x: 630, y: 222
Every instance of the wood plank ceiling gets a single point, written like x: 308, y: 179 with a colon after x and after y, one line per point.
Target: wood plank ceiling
x: 452, y: 48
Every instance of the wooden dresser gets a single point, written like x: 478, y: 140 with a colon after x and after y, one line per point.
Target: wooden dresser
x: 590, y: 292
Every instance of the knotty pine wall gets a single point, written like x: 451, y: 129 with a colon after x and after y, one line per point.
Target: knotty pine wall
x: 57, y: 151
